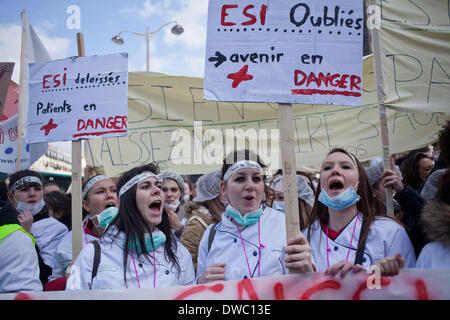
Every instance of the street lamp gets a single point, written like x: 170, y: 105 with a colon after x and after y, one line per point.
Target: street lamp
x: 176, y: 29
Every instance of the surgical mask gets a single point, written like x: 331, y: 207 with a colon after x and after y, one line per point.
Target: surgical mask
x: 279, y: 205
x: 158, y: 239
x: 342, y: 201
x: 34, y: 208
x: 246, y: 220
x: 172, y: 206
x: 105, y: 217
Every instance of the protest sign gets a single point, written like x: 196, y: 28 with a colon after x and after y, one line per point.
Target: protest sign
x: 286, y: 52
x: 410, y: 284
x: 77, y: 98
x: 11, y: 102
x: 163, y: 110
x: 6, y: 70
x: 9, y: 147
x: 411, y: 47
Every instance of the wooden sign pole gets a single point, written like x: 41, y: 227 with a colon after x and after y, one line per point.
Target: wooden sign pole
x: 289, y: 171
x: 21, y: 86
x: 77, y: 171
x: 382, y: 112
x: 386, y: 157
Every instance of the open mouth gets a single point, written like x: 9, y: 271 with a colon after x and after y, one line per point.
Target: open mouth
x: 249, y: 198
x: 155, y: 206
x: 336, y: 186
x: 109, y: 205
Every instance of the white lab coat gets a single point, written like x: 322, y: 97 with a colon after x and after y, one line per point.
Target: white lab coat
x: 19, y: 266
x: 386, y: 238
x: 48, y: 233
x: 434, y: 256
x: 227, y: 247
x: 110, y: 274
x: 63, y: 254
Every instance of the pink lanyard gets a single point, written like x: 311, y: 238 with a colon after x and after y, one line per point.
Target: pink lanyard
x: 351, y: 240
x: 154, y: 270
x: 260, y: 245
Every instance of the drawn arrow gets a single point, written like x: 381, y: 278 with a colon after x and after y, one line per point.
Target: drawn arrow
x: 220, y: 58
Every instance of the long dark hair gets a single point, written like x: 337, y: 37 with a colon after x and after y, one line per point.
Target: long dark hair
x: 130, y: 221
x: 410, y: 170
x: 366, y: 205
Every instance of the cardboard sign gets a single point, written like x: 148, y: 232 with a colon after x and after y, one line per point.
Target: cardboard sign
x: 307, y: 52
x: 9, y: 147
x: 412, y: 60
x: 78, y: 98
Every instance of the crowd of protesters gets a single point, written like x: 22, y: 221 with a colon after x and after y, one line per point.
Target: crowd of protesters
x: 148, y: 229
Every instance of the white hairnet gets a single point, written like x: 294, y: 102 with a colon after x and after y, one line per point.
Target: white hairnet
x: 208, y: 186
x: 177, y: 178
x: 304, y: 191
x: 430, y: 187
x: 375, y: 172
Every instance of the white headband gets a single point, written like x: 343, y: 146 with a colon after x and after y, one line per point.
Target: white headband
x: 25, y: 180
x: 90, y: 183
x: 135, y: 180
x: 243, y: 164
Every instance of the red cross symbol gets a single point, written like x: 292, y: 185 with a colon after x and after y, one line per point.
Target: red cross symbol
x: 240, y: 76
x: 49, y: 126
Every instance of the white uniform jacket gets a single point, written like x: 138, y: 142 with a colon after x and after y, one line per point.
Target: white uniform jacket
x: 19, y: 267
x: 386, y: 238
x: 227, y: 247
x: 110, y: 274
x: 63, y: 255
x: 434, y: 256
x: 48, y: 233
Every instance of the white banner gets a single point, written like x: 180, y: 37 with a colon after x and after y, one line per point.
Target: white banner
x: 410, y: 284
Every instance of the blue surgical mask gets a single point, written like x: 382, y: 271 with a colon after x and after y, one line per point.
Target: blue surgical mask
x: 342, y: 201
x: 248, y: 219
x: 279, y: 205
x: 105, y: 217
x: 159, y: 238
x: 33, y: 208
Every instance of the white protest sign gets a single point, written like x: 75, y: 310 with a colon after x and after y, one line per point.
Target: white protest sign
x: 8, y: 148
x: 307, y: 52
x: 78, y: 98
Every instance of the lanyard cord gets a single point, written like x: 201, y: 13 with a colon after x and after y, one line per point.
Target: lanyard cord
x: 134, y: 264
x: 259, y: 249
x: 154, y: 270
x: 351, y: 240
x: 84, y: 230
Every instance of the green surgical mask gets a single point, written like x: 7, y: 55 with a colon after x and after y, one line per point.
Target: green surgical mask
x: 105, y: 217
x: 246, y: 220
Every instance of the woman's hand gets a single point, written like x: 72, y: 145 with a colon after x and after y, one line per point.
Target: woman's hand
x: 391, y: 179
x: 215, y: 272
x: 175, y: 222
x: 391, y: 266
x: 344, y: 267
x: 26, y: 220
x: 299, y: 255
